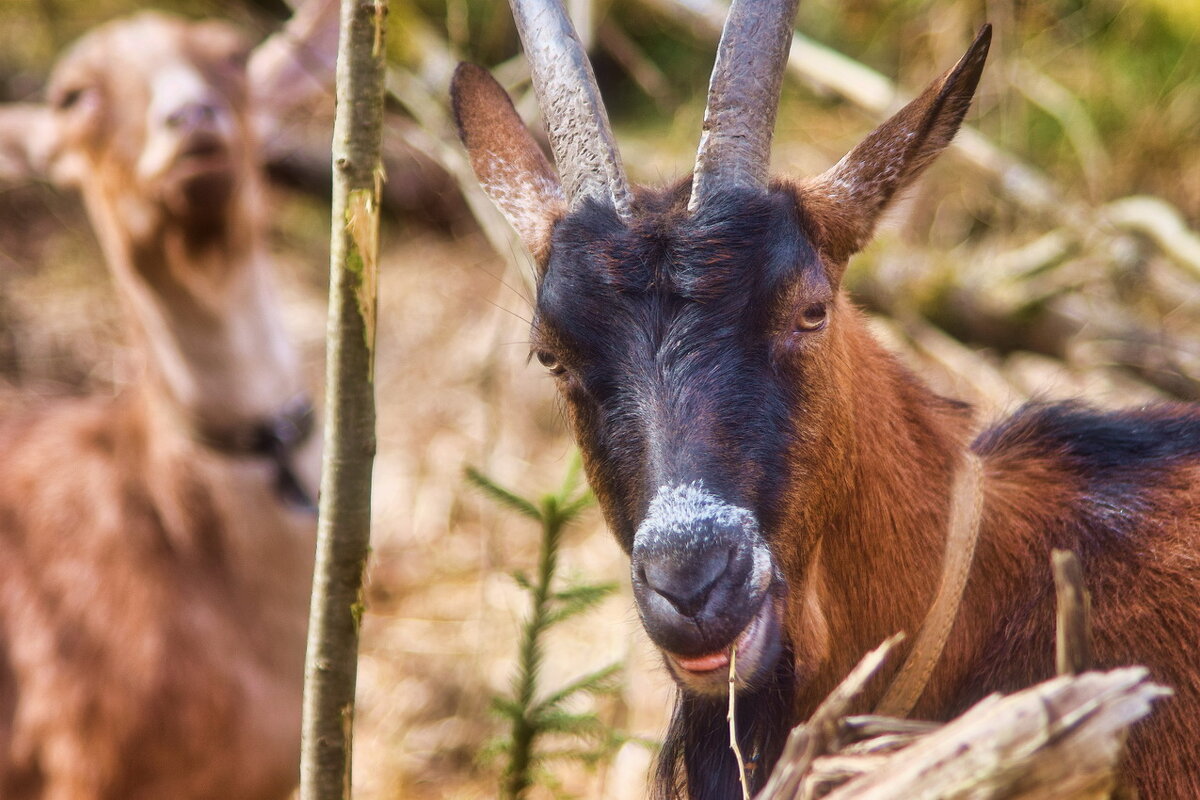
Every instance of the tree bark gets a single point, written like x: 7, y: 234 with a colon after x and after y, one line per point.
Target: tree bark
x: 343, y: 528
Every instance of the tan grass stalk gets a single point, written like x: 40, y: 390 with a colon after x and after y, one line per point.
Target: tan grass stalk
x: 733, y: 742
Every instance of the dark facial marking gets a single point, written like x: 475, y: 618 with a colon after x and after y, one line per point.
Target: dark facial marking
x: 670, y: 336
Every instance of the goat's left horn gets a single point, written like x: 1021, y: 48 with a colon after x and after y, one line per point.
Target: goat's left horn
x: 576, y: 122
x: 743, y: 96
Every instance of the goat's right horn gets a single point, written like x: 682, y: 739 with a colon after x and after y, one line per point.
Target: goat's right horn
x: 743, y: 96
x: 578, y: 127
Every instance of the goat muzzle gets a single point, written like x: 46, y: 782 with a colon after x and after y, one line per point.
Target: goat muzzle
x: 705, y: 582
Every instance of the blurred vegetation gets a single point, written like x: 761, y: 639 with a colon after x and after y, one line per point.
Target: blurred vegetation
x: 1128, y: 71
x: 1132, y: 67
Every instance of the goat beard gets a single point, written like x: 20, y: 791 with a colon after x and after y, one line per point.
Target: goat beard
x: 207, y: 190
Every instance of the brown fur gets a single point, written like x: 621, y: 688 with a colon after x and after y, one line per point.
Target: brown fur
x: 154, y: 591
x: 877, y: 560
x: 148, y: 650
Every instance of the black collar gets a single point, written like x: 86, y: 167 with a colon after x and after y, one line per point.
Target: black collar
x: 277, y: 438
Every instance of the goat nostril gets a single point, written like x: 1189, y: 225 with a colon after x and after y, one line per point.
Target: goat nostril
x: 191, y: 115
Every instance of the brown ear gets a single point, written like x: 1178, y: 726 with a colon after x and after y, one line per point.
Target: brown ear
x: 28, y: 139
x: 512, y: 169
x: 847, y: 200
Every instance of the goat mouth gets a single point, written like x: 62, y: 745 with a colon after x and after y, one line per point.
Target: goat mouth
x: 758, y: 646
x: 203, y: 153
x: 203, y: 149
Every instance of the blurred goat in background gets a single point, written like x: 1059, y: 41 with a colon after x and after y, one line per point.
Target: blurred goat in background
x: 156, y: 546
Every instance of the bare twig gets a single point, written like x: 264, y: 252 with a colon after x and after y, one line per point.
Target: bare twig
x: 1073, y: 645
x: 732, y: 716
x: 344, y: 521
x: 1060, y: 739
x: 644, y: 72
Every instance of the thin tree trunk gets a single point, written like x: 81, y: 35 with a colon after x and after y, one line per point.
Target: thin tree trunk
x: 343, y: 529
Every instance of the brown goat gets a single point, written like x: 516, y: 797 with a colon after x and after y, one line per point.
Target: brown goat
x: 781, y: 482
x: 156, y: 547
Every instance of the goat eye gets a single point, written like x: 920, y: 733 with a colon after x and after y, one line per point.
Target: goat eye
x: 550, y: 362
x: 812, y: 318
x: 68, y: 98
x: 239, y: 58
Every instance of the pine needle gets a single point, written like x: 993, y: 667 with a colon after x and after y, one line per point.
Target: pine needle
x: 733, y: 742
x: 503, y: 496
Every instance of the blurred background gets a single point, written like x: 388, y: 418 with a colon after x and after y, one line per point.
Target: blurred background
x: 1050, y: 254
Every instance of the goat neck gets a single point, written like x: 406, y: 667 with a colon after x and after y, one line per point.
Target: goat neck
x: 205, y: 312
x: 862, y: 583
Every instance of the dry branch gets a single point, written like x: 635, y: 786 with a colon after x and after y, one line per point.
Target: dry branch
x: 820, y: 734
x: 1061, y: 739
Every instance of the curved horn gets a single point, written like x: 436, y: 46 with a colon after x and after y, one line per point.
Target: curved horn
x: 743, y: 95
x: 576, y: 122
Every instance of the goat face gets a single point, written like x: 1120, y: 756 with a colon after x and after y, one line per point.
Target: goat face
x: 151, y: 111
x: 678, y: 349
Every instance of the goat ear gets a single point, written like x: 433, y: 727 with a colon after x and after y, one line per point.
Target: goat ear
x: 847, y: 200
x: 293, y: 67
x: 512, y: 169
x: 28, y: 139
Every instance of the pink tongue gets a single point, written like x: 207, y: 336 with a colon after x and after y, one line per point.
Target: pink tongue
x: 703, y: 663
